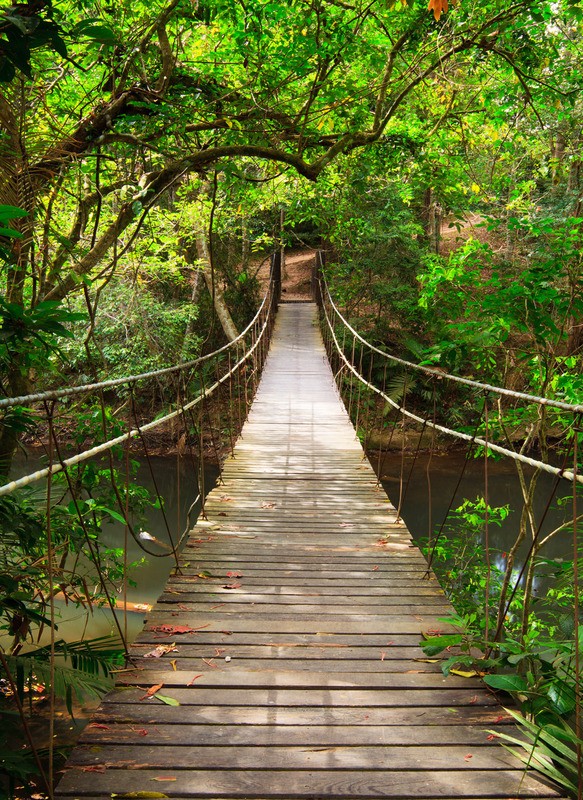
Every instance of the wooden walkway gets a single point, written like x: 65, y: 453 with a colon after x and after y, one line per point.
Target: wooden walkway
x: 296, y: 619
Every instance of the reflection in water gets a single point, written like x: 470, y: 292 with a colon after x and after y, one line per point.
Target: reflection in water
x: 503, y: 489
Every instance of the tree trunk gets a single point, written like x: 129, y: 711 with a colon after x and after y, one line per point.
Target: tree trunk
x: 215, y: 290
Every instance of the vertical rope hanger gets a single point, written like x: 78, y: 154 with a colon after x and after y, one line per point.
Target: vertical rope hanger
x: 576, y: 611
x: 487, y: 523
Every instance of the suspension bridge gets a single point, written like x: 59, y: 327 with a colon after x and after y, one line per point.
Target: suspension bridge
x: 286, y: 644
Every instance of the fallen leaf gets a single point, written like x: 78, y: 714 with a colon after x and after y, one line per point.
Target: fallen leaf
x: 94, y: 768
x: 429, y: 661
x: 227, y: 633
x: 473, y: 700
x: 210, y: 663
x: 219, y: 651
x: 164, y: 778
x: 468, y: 757
x: 492, y: 736
x: 161, y: 650
x: 177, y: 629
x: 192, y: 680
x: 463, y: 673
x: 169, y: 701
x: 267, y: 504
x: 99, y: 725
x: 232, y: 586
x: 226, y: 498
x: 173, y: 664
x: 234, y: 574
x: 139, y: 795
x: 383, y: 654
x: 152, y: 691
x: 140, y: 731
x: 184, y: 607
x: 375, y: 568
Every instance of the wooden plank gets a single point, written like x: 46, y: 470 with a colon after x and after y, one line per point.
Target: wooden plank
x: 436, y: 717
x: 278, y: 757
x: 337, y: 686
x: 314, y: 735
x: 311, y: 783
x: 436, y: 697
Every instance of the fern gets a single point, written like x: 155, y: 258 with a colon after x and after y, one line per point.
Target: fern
x: 84, y: 675
x: 549, y: 749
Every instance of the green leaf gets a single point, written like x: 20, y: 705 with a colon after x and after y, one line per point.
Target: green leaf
x: 114, y: 514
x: 99, y: 33
x: 435, y: 644
x: 11, y: 212
x: 170, y: 701
x: 10, y: 232
x: 507, y: 683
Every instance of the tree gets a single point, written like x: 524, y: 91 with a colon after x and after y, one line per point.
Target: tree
x: 146, y: 94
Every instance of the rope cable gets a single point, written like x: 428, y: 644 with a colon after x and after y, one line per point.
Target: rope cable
x: 55, y: 394
x: 532, y: 462
x: 543, y: 401
x: 26, y: 480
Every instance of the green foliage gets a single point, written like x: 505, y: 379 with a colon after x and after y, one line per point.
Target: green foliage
x: 23, y: 28
x: 551, y: 749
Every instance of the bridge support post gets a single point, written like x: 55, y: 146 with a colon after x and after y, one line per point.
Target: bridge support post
x: 276, y: 260
x: 316, y: 275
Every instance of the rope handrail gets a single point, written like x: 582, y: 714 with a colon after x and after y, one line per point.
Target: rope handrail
x: 55, y: 394
x: 566, y: 474
x: 542, y: 401
x: 32, y: 477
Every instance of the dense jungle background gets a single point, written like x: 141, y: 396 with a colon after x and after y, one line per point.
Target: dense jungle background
x: 153, y: 157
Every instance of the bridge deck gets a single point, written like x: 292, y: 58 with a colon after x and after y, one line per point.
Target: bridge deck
x: 296, y: 616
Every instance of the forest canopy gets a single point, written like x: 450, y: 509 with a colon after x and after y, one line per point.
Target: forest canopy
x: 130, y: 130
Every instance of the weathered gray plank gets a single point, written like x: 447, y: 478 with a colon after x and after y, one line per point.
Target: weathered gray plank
x: 311, y: 783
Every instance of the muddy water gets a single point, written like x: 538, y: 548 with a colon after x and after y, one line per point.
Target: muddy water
x: 176, y: 484
x: 434, y: 481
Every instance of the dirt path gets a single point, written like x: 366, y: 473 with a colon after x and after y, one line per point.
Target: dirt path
x: 296, y: 284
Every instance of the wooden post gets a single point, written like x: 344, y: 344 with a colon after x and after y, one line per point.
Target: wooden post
x: 316, y: 274
x: 276, y: 276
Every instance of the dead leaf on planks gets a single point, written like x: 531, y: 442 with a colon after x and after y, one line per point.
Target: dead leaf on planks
x: 152, y: 691
x: 177, y: 629
x: 161, y: 650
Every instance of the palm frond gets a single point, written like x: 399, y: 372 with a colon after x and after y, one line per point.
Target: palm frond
x: 550, y: 750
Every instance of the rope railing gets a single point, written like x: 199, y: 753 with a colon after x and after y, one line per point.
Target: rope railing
x: 433, y: 372
x: 531, y: 462
x: 330, y: 308
x: 68, y: 391
x: 26, y: 480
